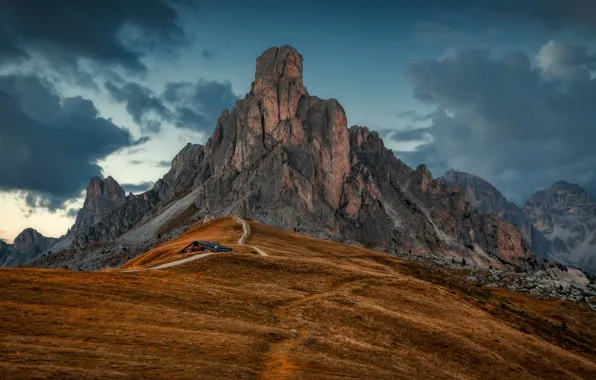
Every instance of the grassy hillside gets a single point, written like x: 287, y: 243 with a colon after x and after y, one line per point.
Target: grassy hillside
x: 313, y: 309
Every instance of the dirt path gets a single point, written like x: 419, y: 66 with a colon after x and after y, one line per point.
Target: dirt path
x: 174, y: 263
x: 246, y: 232
x: 178, y: 262
x: 245, y: 229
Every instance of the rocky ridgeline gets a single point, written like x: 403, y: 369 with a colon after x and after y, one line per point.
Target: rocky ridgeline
x: 138, y: 209
x: 486, y: 199
x: 558, y: 223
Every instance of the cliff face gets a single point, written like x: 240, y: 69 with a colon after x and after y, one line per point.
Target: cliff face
x: 288, y: 159
x: 101, y: 198
x: 558, y: 223
x: 486, y: 199
x: 566, y: 215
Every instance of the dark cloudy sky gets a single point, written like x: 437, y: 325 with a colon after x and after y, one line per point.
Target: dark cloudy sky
x: 502, y: 89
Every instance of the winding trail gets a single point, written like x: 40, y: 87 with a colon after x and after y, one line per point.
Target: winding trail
x: 178, y: 262
x: 173, y: 263
x: 246, y: 232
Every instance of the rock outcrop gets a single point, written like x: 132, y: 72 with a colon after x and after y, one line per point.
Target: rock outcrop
x: 137, y: 209
x: 102, y: 197
x: 566, y: 215
x: 558, y: 223
x: 288, y: 159
x: 179, y: 180
x: 486, y: 199
x: 26, y: 247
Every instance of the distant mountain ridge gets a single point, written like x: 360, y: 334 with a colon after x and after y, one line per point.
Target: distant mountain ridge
x: 102, y: 197
x: 26, y: 247
x: 559, y: 223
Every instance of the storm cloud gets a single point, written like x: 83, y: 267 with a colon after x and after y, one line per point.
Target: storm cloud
x: 553, y: 14
x: 103, y: 33
x: 49, y: 147
x: 521, y: 127
x: 193, y: 106
x: 572, y: 14
x: 146, y: 109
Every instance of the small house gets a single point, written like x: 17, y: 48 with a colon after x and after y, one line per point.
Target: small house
x: 204, y: 246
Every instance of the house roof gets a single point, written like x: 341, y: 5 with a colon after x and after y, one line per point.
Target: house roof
x: 212, y: 246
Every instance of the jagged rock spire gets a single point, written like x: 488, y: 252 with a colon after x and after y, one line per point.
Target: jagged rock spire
x: 278, y: 85
x: 103, y: 196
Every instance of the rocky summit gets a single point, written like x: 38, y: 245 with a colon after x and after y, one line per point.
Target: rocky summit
x: 27, y: 246
x: 103, y: 196
x: 288, y: 159
x: 566, y: 215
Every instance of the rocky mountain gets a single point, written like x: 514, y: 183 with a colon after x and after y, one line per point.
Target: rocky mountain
x: 558, y: 223
x: 486, y: 199
x: 566, y: 215
x: 175, y: 185
x: 288, y: 159
x: 102, y: 197
x: 26, y: 247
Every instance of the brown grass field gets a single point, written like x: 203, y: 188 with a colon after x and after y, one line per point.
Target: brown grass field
x: 313, y: 309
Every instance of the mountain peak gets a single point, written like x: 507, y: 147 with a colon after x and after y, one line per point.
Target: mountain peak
x: 563, y: 183
x: 481, y: 193
x: 278, y: 87
x: 487, y: 199
x: 108, y: 187
x: 103, y: 196
x: 27, y: 231
x: 275, y: 63
x: 464, y: 179
x: 560, y: 193
x: 568, y: 187
x: 27, y: 245
x: 566, y: 214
